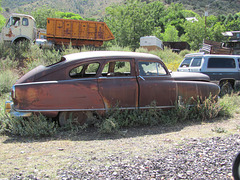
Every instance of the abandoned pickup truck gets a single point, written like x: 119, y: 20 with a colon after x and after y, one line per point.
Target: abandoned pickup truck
x: 86, y: 82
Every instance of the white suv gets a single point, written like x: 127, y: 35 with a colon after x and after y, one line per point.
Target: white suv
x: 223, y: 70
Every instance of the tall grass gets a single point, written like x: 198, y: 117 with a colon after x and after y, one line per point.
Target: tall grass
x: 198, y: 111
x: 7, y: 79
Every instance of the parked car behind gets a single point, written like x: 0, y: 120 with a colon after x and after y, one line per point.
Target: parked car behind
x: 82, y: 83
x: 223, y: 70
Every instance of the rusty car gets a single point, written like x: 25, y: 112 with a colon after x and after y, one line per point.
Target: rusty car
x: 87, y: 82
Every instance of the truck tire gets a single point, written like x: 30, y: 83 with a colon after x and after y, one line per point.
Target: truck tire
x: 236, y: 167
x: 225, y: 88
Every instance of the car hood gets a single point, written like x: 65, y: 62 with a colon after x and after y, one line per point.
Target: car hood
x: 190, y: 76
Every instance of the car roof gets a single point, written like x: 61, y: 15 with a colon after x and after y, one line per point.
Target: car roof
x: 102, y: 54
x: 209, y: 55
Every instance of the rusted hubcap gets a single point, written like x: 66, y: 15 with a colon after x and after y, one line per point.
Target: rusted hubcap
x: 76, y: 118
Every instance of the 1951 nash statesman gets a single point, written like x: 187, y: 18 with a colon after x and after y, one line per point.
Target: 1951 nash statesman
x: 87, y: 82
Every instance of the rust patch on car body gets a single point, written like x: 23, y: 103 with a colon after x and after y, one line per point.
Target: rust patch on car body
x: 10, y: 34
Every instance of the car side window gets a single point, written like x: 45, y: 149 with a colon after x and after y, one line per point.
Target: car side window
x: 221, y: 63
x: 196, y: 62
x: 117, y: 68
x: 151, y: 69
x: 15, y: 21
x: 25, y: 22
x: 84, y: 70
x: 239, y: 62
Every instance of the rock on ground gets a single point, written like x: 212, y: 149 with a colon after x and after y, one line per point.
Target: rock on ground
x: 199, y: 158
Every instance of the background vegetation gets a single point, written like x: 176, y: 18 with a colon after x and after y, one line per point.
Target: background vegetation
x: 96, y: 8
x: 128, y: 21
x: 133, y: 19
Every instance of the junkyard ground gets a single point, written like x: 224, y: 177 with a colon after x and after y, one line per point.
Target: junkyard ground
x: 45, y: 157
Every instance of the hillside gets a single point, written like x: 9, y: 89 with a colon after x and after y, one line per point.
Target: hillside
x: 95, y: 8
x: 86, y: 8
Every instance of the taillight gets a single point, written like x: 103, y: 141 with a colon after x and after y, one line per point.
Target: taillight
x: 8, y: 107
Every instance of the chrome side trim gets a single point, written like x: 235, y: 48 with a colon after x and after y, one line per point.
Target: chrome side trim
x: 97, y: 109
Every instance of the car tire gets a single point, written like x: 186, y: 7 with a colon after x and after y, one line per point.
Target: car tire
x: 226, y: 88
x: 236, y: 167
x: 75, y: 118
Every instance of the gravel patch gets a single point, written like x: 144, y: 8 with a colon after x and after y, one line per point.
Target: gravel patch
x: 199, y: 158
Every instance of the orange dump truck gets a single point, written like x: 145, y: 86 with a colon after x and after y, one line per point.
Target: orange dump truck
x: 22, y: 27
x: 78, y: 32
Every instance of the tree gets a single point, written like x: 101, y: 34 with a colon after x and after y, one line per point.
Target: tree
x: 195, y: 33
x: 132, y: 20
x: 42, y: 14
x: 170, y: 34
x: 232, y: 22
x: 175, y: 17
x: 215, y: 32
x: 228, y: 19
x: 69, y: 15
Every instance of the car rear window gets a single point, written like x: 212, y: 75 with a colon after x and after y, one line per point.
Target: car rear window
x: 221, y: 63
x: 84, y: 70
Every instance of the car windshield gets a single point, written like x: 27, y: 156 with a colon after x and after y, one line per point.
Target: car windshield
x: 151, y: 69
x: 186, y: 62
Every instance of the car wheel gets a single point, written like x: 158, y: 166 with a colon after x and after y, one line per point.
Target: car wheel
x: 236, y: 167
x: 226, y: 88
x: 76, y: 118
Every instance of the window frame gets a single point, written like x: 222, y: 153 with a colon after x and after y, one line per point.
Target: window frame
x: 116, y: 74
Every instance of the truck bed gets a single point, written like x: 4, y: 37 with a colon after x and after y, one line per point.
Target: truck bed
x: 79, y: 32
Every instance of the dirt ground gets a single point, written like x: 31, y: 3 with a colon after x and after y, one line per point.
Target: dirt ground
x: 43, y: 158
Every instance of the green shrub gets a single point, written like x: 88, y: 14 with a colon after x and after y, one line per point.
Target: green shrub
x: 109, y: 125
x: 34, y: 126
x: 116, y: 119
x: 230, y: 105
x: 185, y: 52
x: 7, y: 63
x: 118, y: 48
x: 5, y: 50
x: 219, y: 130
x: 7, y: 79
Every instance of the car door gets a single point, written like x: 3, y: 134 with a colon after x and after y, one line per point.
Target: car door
x: 118, y: 85
x: 12, y: 29
x: 155, y: 85
x: 76, y: 93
